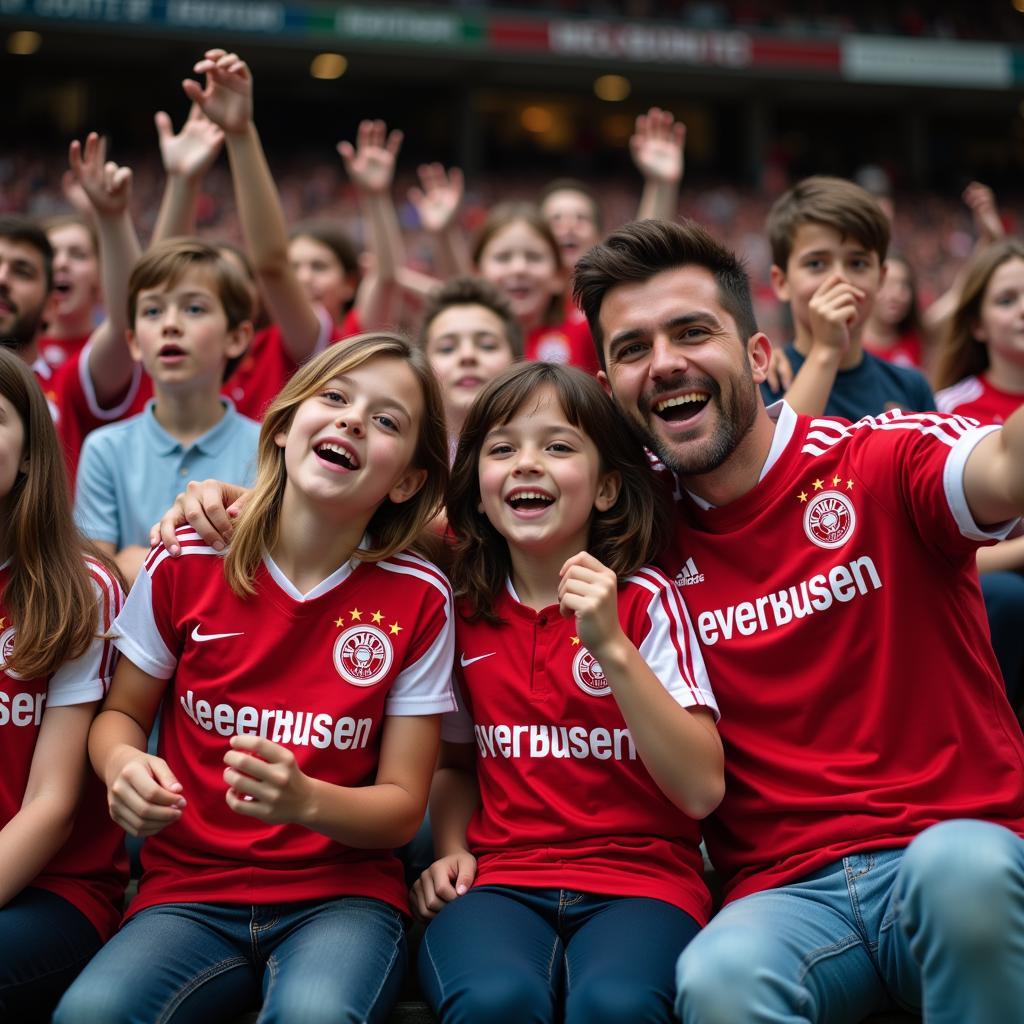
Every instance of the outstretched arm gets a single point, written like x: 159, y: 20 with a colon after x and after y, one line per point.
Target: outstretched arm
x: 186, y: 157
x: 108, y: 188
x: 437, y: 204
x: 994, y: 474
x: 371, y: 167
x: 657, y: 148
x: 226, y: 99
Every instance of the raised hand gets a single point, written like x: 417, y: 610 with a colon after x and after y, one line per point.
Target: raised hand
x: 371, y: 163
x: 226, y: 99
x: 657, y: 146
x: 191, y: 152
x: 437, y: 202
x: 107, y: 186
x: 981, y: 201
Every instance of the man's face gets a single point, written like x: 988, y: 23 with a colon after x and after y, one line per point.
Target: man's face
x: 23, y: 292
x: 678, y: 368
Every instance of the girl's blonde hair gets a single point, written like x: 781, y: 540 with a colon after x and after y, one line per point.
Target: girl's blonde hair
x: 393, y: 526
x: 962, y: 355
x: 48, y: 594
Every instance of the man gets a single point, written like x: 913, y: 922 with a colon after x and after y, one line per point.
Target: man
x: 869, y: 840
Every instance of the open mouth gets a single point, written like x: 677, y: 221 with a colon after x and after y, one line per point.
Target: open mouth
x: 171, y: 352
x: 62, y: 287
x: 681, y: 407
x: 336, y: 455
x: 529, y: 501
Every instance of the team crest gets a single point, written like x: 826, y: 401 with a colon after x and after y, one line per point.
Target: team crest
x: 7, y: 652
x: 829, y: 519
x: 589, y: 675
x: 363, y: 655
x: 552, y: 348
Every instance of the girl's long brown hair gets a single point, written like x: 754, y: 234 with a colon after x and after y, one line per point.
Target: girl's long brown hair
x: 961, y: 354
x: 48, y: 594
x: 392, y: 527
x: 623, y: 538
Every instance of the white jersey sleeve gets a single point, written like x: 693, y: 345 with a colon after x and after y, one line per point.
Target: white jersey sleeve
x: 137, y: 635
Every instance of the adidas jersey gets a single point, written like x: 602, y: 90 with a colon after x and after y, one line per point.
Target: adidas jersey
x: 91, y: 869
x: 566, y: 801
x: 976, y: 397
x: 317, y: 673
x: 841, y: 616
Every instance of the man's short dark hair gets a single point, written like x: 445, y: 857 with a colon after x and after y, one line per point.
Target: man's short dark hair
x: 28, y: 232
x: 637, y: 252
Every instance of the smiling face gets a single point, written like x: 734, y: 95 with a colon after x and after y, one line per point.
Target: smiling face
x: 321, y: 274
x: 467, y: 346
x: 678, y: 368
x: 23, y: 291
x: 353, y: 442
x: 1001, y: 314
x: 520, y: 263
x: 181, y: 333
x: 540, y: 479
x: 76, y: 274
x: 571, y: 217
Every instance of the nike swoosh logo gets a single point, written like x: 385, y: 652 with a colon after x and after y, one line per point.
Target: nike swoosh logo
x: 202, y: 637
x: 464, y: 661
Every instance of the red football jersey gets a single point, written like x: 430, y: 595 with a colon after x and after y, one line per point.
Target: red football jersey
x: 91, y: 869
x: 976, y: 397
x: 905, y: 352
x: 566, y: 801
x: 58, y: 350
x: 316, y: 673
x: 568, y: 342
x: 839, y: 612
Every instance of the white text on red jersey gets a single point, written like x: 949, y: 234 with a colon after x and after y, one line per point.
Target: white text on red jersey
x: 560, y: 741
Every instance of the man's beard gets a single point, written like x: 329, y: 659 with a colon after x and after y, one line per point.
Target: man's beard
x: 736, y: 410
x: 22, y: 330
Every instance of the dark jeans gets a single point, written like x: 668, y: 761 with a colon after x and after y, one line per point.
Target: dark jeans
x: 518, y: 955
x: 44, y: 943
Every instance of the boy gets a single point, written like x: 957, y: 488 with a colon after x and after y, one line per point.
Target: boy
x: 189, y: 309
x: 829, y: 239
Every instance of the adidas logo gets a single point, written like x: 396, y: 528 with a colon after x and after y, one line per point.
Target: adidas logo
x: 689, y: 574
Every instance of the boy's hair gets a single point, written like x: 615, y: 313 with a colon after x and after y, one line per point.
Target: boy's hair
x: 641, y: 250
x: 63, y: 220
x: 962, y: 354
x: 48, y: 594
x: 393, y: 526
x: 328, y: 233
x: 624, y: 537
x: 472, y: 291
x: 834, y: 202
x: 28, y: 232
x: 573, y: 185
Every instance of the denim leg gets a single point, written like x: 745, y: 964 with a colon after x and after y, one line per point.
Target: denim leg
x: 329, y: 963
x: 620, y: 958
x: 180, y: 962
x: 792, y: 955
x: 494, y: 955
x: 955, y: 943
x: 44, y: 943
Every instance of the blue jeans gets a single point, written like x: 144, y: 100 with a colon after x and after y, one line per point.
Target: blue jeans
x: 333, y: 961
x: 44, y: 943
x: 501, y: 954
x: 937, y: 928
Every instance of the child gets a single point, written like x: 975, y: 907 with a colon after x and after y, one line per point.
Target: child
x: 313, y: 666
x: 829, y: 239
x: 71, y: 317
x: 63, y: 875
x: 190, y: 312
x: 593, y: 718
x: 894, y: 330
x: 470, y: 336
x: 516, y: 252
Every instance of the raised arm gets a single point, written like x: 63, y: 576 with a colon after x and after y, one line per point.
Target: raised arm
x: 437, y: 204
x: 186, y: 157
x: 226, y: 99
x: 371, y: 167
x: 657, y: 147
x: 108, y: 188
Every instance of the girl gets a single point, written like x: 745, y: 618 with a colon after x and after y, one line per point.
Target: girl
x: 326, y: 265
x: 299, y: 727
x: 894, y: 331
x: 517, y: 253
x: 981, y: 374
x: 593, y: 721
x: 76, y: 284
x: 63, y: 877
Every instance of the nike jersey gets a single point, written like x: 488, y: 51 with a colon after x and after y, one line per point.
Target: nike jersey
x: 91, y: 869
x: 566, y: 801
x: 976, y: 397
x: 317, y: 673
x: 839, y: 611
